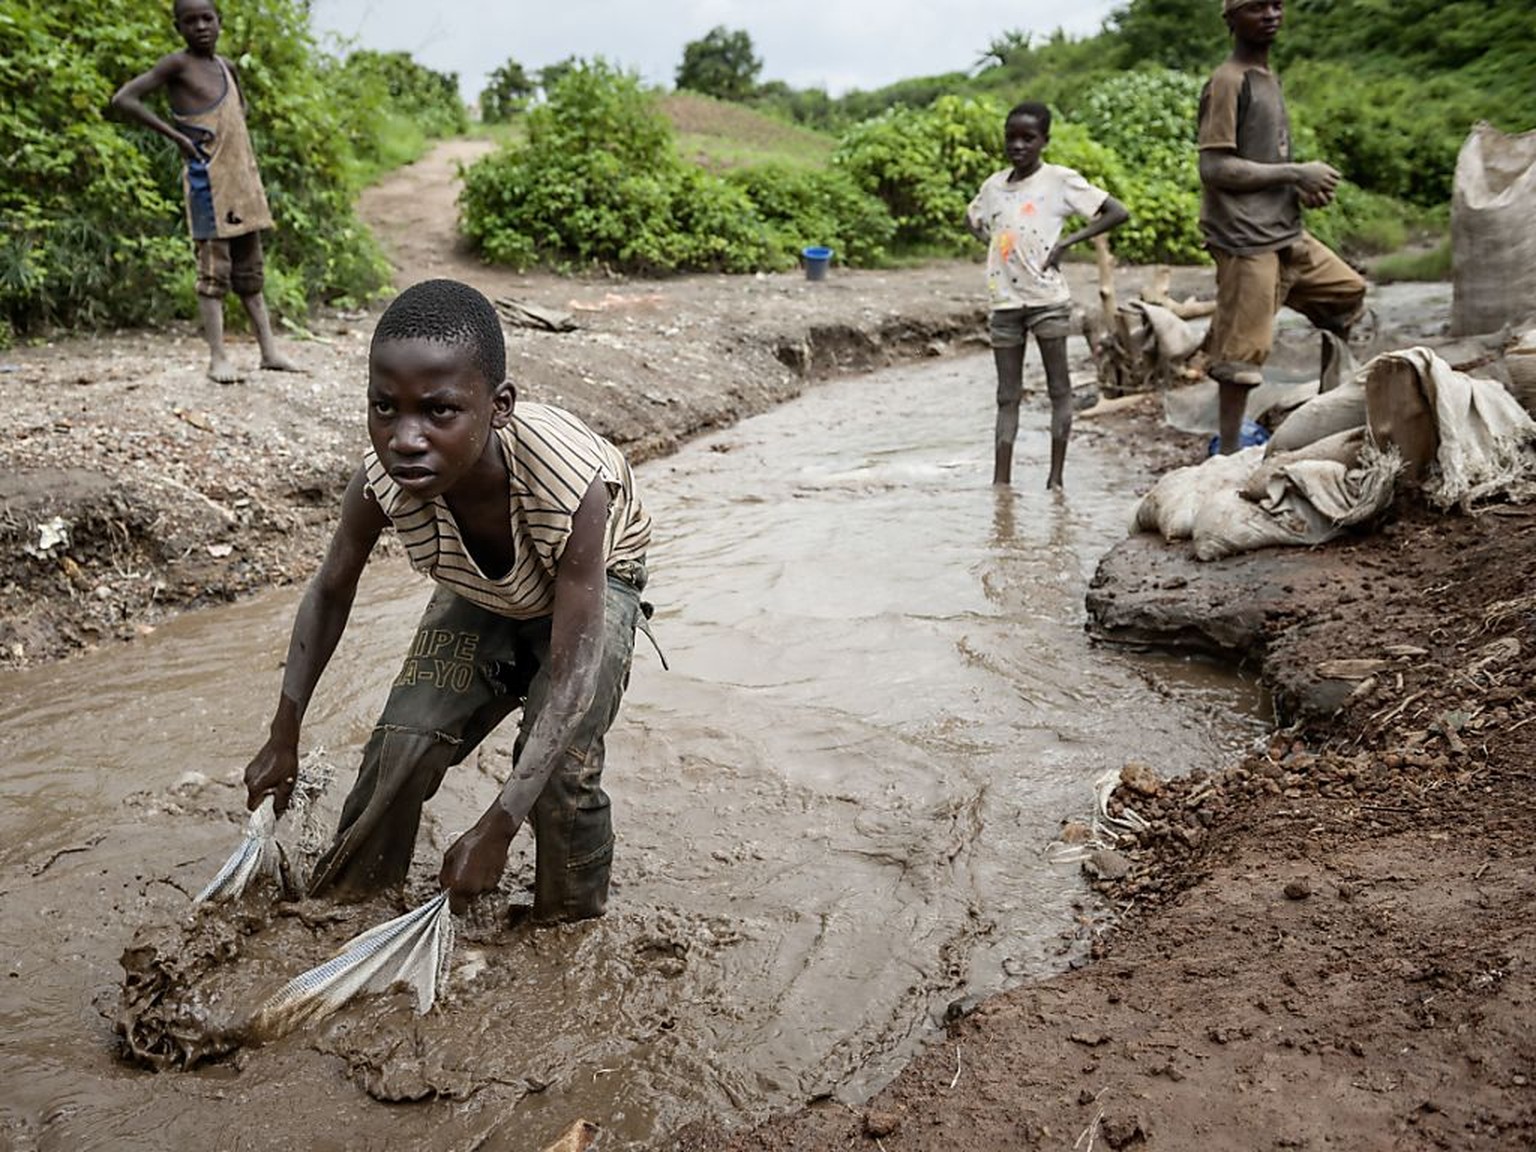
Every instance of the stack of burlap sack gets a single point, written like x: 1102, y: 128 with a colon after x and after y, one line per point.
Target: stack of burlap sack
x: 1337, y: 460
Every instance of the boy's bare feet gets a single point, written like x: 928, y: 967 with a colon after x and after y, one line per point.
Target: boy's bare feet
x: 277, y: 362
x: 221, y: 371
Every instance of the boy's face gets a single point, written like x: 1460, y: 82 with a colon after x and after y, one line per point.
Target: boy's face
x: 1023, y: 141
x: 198, y: 23
x: 1258, y: 22
x: 430, y: 413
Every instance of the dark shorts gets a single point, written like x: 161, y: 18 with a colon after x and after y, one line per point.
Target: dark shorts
x: 1008, y: 326
x: 232, y: 265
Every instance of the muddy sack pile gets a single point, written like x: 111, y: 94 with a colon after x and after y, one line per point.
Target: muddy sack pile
x: 1337, y: 461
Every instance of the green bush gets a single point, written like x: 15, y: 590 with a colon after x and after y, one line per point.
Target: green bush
x: 599, y: 182
x: 925, y: 165
x: 803, y: 206
x: 87, y: 231
x: 410, y: 89
x: 1147, y: 119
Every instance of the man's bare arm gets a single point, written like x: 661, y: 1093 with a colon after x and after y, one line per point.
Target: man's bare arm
x: 1230, y: 172
x: 317, y: 629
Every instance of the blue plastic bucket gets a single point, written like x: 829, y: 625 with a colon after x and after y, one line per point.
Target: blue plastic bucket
x: 817, y: 260
x: 1251, y: 436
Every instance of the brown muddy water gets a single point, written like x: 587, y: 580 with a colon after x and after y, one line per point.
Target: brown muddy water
x: 832, y: 812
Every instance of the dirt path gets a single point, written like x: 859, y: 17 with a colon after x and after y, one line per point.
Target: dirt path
x: 414, y: 213
x: 1327, y: 946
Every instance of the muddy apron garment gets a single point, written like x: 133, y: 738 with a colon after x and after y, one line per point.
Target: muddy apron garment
x: 467, y: 669
x: 223, y: 187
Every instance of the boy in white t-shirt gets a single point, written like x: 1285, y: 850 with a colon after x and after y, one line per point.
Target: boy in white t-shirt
x: 1020, y: 212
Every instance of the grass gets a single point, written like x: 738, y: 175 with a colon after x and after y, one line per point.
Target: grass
x: 401, y: 141
x: 512, y: 131
x: 1415, y: 264
x: 719, y: 135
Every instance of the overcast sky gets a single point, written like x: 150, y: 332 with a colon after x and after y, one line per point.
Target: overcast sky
x: 838, y: 44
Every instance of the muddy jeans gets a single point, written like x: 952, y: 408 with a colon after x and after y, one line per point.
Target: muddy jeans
x: 467, y: 669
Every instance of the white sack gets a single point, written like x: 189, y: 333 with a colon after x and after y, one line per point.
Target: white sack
x: 1301, y: 501
x: 1171, y: 506
x: 1487, y: 441
x: 1328, y: 413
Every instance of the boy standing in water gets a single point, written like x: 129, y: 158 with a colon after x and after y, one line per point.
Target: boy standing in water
x: 1250, y: 213
x: 1020, y: 212
x: 226, y: 205
x: 531, y: 526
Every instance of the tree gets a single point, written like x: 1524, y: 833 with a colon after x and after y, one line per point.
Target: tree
x: 1188, y: 35
x: 551, y: 74
x: 720, y: 65
x: 1001, y: 51
x: 506, y: 94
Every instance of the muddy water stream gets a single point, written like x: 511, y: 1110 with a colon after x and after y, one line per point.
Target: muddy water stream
x: 832, y: 811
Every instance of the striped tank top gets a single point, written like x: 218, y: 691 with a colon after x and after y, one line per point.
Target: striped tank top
x: 552, y: 459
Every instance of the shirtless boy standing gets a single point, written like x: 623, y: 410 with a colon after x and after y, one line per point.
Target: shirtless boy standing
x: 226, y: 205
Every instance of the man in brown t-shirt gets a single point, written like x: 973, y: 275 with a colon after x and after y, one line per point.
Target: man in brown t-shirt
x: 1250, y: 214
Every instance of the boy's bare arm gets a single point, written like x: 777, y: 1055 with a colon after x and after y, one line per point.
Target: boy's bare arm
x: 475, y: 862
x: 1230, y: 172
x: 317, y: 628
x: 129, y: 101
x: 1111, y: 214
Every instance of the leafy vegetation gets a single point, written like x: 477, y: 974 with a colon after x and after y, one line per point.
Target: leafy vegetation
x: 91, y: 224
x: 599, y: 181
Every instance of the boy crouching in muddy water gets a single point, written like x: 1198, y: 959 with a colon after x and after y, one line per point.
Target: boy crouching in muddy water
x: 1019, y: 212
x: 530, y: 524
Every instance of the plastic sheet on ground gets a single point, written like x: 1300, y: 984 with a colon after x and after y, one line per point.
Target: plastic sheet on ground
x: 413, y: 950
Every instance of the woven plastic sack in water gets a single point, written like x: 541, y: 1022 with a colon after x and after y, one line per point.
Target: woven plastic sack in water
x: 257, y: 857
x: 414, y: 950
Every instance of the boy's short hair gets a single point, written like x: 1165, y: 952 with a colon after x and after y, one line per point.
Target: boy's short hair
x: 447, y: 312
x: 177, y: 5
x: 1040, y: 113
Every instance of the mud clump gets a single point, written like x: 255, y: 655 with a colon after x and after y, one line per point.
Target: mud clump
x: 172, y: 1012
